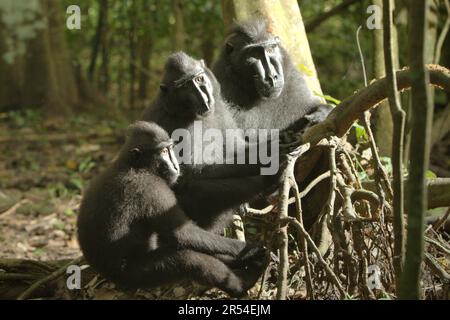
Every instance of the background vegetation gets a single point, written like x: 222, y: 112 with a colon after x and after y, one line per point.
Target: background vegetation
x: 66, y: 96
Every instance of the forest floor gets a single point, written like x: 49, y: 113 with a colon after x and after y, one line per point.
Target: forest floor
x: 44, y: 167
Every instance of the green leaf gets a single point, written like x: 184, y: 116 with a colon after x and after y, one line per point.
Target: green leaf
x: 77, y: 182
x: 59, y: 224
x: 69, y: 212
x: 328, y: 98
x: 430, y: 174
x: 361, y: 134
x: 39, y: 252
x: 305, y: 70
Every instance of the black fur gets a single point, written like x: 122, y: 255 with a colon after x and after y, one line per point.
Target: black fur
x: 206, y: 192
x: 295, y: 107
x: 241, y: 86
x: 132, y: 230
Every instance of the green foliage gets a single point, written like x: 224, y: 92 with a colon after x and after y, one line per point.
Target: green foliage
x: 39, y: 252
x: 430, y: 174
x: 25, y: 117
x: 20, y: 21
x: 86, y: 165
x: 360, y: 133
x: 333, y: 46
x: 58, y: 190
x: 69, y: 212
x: 59, y: 224
x: 76, y: 183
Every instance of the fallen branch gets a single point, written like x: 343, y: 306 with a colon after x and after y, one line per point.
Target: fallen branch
x: 441, y: 222
x: 13, y: 209
x: 341, y: 118
x: 54, y: 275
x: 436, y: 268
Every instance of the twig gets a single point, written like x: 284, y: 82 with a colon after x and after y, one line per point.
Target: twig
x: 398, y: 117
x: 443, y: 34
x: 282, y: 232
x: 441, y: 221
x: 333, y: 180
x: 358, y: 241
x: 313, y: 183
x: 52, y: 276
x: 328, y: 210
x: 13, y: 209
x: 263, y: 281
x: 437, y: 244
x: 348, y: 211
x: 330, y: 273
x: 303, y: 244
x: 313, y: 24
x: 380, y: 172
x: 361, y: 56
x: 238, y: 227
x: 291, y: 200
x: 367, y: 195
x: 436, y: 268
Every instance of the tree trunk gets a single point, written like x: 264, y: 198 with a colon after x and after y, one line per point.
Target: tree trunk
x: 10, y: 90
x: 49, y: 75
x: 179, y: 35
x: 99, y: 35
x: 104, y: 68
x: 145, y: 50
x: 132, y: 53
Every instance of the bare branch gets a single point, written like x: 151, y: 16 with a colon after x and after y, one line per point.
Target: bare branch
x: 341, y: 118
x: 398, y: 118
x: 313, y: 24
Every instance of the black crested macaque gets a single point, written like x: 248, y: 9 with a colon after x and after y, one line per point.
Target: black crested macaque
x: 132, y: 230
x: 258, y: 77
x: 208, y: 190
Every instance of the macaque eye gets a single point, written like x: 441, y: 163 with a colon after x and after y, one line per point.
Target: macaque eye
x: 199, y: 79
x: 271, y: 49
x: 164, y: 151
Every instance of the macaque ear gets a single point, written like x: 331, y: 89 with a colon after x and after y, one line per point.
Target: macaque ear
x: 163, y: 87
x: 135, y: 152
x: 228, y: 47
x: 202, y: 63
